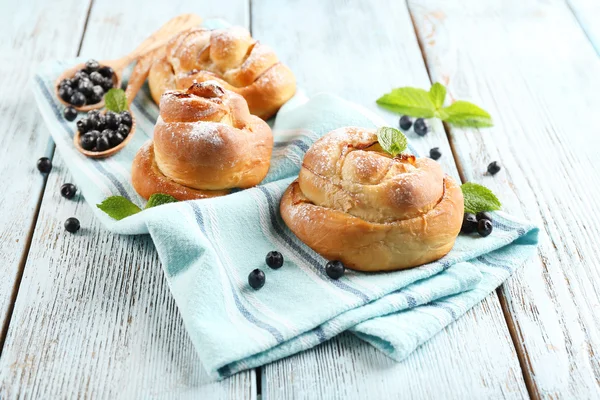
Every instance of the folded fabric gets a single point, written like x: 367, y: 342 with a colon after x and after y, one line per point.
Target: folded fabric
x: 208, y: 247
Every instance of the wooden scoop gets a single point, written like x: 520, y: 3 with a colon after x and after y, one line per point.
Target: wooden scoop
x: 153, y: 42
x: 136, y: 80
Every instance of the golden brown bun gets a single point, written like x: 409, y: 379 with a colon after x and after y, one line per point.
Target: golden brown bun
x: 355, y: 203
x: 205, y: 143
x: 232, y: 58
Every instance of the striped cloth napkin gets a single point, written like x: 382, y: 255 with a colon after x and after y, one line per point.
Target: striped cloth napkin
x: 208, y: 247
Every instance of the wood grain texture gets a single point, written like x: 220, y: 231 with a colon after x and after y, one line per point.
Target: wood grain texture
x: 29, y: 36
x: 533, y: 68
x: 94, y: 317
x: 361, y: 50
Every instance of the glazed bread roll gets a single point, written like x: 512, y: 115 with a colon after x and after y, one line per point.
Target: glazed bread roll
x: 231, y: 57
x: 355, y: 203
x: 205, y: 143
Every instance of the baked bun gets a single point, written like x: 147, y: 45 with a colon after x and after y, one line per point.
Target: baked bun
x: 205, y: 143
x: 355, y: 203
x: 229, y: 56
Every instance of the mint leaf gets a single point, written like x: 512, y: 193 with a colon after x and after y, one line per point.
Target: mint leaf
x: 391, y: 140
x: 116, y: 100
x: 409, y: 101
x: 118, y: 207
x: 158, y: 199
x: 465, y: 114
x: 437, y: 94
x: 479, y: 198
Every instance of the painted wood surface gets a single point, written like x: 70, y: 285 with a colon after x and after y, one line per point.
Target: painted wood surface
x: 535, y: 71
x: 94, y: 317
x: 29, y: 36
x: 361, y: 50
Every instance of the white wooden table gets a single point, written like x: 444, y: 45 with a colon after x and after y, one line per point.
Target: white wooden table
x: 90, y: 315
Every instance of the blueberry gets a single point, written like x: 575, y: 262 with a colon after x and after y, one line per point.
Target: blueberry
x: 72, y: 225
x: 83, y: 125
x: 96, y: 77
x: 405, y: 122
x: 65, y: 93
x: 435, y: 153
x: 88, y: 141
x: 107, y: 84
x: 91, y: 66
x: 85, y: 86
x: 126, y: 118
x: 274, y: 259
x: 112, y: 120
x: 420, y: 127
x: 256, y: 279
x: 484, y: 215
x: 335, y: 269
x: 70, y: 113
x: 80, y: 75
x: 123, y: 130
x: 106, y: 71
x: 96, y: 95
x: 66, y: 82
x: 493, y: 168
x: 77, y: 99
x: 484, y: 227
x: 102, y: 143
x: 68, y: 190
x: 44, y: 165
x: 115, y: 139
x: 469, y: 224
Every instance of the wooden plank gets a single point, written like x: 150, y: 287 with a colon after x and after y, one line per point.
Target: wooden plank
x: 94, y: 317
x: 534, y: 69
x: 41, y: 32
x: 361, y: 51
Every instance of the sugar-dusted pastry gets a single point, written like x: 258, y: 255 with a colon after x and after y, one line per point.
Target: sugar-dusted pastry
x: 355, y: 203
x: 231, y: 57
x: 205, y: 143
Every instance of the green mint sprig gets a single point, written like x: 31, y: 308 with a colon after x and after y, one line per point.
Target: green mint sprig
x: 116, y: 100
x: 118, y: 207
x: 391, y: 140
x: 478, y: 198
x: 420, y: 103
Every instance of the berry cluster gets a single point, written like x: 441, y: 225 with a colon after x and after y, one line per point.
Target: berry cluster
x: 480, y: 223
x: 88, y: 85
x: 420, y: 125
x: 100, y: 132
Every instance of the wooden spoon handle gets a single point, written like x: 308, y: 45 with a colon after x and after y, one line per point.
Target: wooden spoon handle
x: 159, y: 38
x: 140, y: 72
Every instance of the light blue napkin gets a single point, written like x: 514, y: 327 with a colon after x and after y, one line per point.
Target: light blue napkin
x: 208, y: 247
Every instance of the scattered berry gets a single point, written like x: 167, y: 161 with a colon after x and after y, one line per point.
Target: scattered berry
x: 335, y: 269
x: 274, y: 259
x: 469, y: 224
x: 493, y: 168
x: 435, y: 153
x: 68, y: 190
x: 484, y: 215
x: 256, y: 279
x: 405, y: 122
x: 70, y: 113
x: 421, y: 127
x: 72, y: 225
x: 77, y: 99
x: 484, y: 227
x: 44, y: 165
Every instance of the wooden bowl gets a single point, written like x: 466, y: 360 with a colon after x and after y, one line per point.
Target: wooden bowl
x: 69, y: 73
x: 109, y: 152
